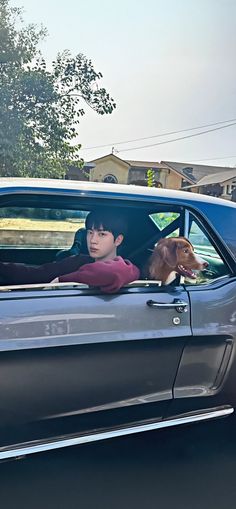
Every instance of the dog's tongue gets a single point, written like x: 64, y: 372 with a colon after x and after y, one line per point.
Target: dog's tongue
x: 183, y: 271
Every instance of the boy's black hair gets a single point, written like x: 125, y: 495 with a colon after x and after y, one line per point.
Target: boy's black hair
x: 109, y: 219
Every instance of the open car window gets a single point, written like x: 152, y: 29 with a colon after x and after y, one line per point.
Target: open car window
x: 35, y: 235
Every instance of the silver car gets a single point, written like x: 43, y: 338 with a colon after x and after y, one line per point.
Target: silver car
x: 79, y: 365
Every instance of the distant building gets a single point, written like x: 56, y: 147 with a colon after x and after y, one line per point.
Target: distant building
x: 199, y: 178
x: 221, y: 183
x: 113, y: 169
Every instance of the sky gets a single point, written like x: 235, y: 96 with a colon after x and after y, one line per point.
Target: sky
x: 169, y: 64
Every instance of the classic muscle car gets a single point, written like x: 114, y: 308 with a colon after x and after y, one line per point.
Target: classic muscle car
x: 79, y: 365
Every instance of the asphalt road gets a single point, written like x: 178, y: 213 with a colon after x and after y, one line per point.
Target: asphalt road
x: 181, y: 468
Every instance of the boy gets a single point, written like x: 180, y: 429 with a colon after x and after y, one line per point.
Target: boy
x: 103, y: 268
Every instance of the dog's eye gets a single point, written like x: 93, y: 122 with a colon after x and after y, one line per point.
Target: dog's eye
x: 186, y: 251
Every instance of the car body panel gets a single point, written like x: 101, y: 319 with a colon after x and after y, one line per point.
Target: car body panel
x: 207, y: 370
x: 87, y: 353
x: 214, y: 332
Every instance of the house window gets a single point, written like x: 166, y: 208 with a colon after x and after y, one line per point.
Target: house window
x: 188, y: 171
x: 185, y: 183
x: 233, y: 186
x: 110, y: 179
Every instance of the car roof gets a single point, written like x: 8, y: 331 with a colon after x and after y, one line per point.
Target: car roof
x: 128, y: 191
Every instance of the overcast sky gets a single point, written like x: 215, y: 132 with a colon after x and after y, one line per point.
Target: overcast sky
x: 169, y: 64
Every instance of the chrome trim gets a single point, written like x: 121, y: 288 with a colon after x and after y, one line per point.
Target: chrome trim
x: 73, y: 285
x: 24, y: 449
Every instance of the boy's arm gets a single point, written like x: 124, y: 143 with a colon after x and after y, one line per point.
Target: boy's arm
x: 20, y: 273
x: 109, y: 275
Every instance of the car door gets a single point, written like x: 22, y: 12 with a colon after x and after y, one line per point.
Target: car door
x: 73, y: 351
x: 208, y: 359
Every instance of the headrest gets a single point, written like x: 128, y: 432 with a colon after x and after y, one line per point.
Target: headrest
x: 79, y: 245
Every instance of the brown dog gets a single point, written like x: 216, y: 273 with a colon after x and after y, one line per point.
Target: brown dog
x: 172, y: 256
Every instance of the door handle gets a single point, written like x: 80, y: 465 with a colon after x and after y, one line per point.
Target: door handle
x: 179, y: 305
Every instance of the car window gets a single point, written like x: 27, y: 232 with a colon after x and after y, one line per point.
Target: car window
x: 39, y: 228
x: 203, y: 246
x: 164, y: 219
x: 168, y: 223
x: 37, y: 235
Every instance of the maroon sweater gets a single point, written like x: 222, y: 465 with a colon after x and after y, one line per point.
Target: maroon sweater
x: 110, y: 275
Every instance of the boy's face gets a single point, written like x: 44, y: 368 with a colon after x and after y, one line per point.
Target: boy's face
x: 101, y: 244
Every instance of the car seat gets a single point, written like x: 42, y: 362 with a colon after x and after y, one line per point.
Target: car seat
x: 79, y: 246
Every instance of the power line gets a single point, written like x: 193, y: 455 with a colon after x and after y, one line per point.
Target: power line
x: 212, y: 158
x: 177, y: 139
x: 159, y: 135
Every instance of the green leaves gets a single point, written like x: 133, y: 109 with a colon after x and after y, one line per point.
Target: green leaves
x: 40, y: 108
x: 150, y: 177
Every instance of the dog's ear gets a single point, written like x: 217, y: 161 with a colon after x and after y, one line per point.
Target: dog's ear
x: 167, y: 252
x: 186, y: 240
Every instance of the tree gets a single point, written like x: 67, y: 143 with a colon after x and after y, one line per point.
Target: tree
x: 150, y: 177
x: 41, y: 108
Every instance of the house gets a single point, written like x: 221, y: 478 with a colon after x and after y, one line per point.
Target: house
x: 113, y: 169
x: 199, y: 178
x: 217, y: 184
x: 211, y: 180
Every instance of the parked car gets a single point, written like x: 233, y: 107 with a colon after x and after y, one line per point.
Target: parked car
x: 78, y: 365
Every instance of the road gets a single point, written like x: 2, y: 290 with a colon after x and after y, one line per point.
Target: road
x: 187, y: 467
